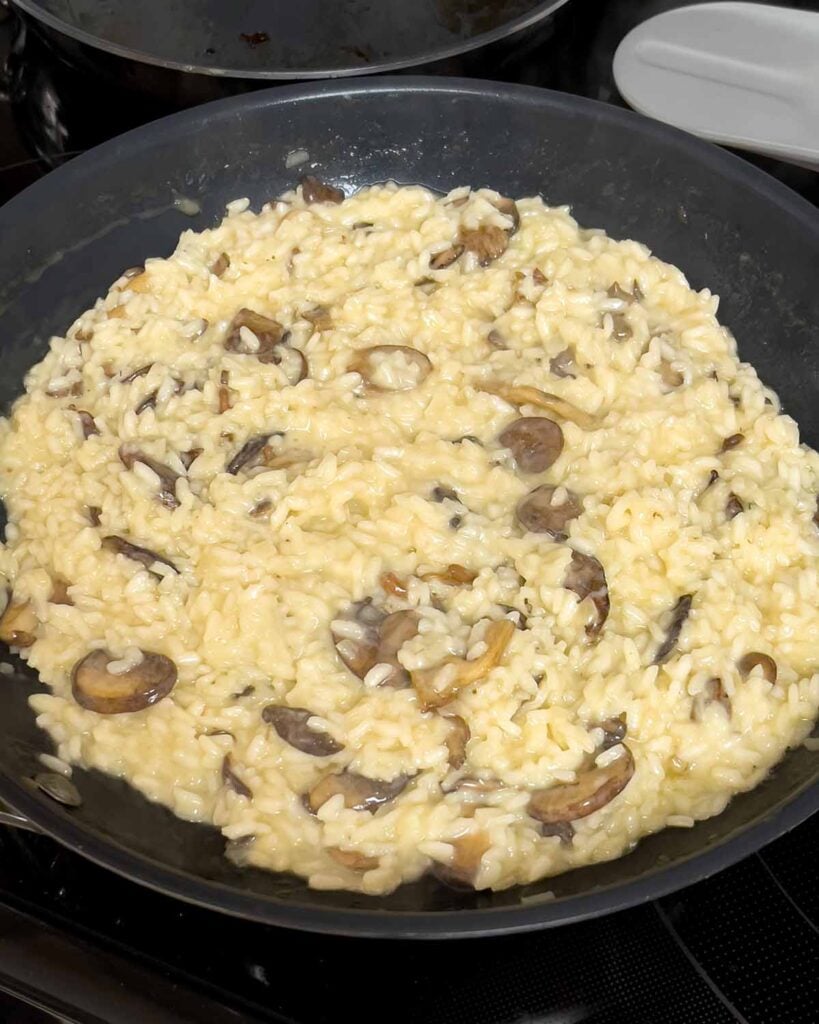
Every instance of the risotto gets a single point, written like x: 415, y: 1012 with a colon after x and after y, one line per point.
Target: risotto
x: 412, y: 533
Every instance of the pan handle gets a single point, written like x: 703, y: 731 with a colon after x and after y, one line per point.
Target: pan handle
x: 15, y: 820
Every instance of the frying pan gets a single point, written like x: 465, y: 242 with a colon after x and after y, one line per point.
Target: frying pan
x: 727, y: 225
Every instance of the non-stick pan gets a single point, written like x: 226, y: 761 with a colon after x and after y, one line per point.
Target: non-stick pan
x: 727, y: 225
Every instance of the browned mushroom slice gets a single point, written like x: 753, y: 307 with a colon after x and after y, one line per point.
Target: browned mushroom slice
x: 535, y: 441
x: 267, y: 332
x: 148, y: 402
x: 456, y: 740
x: 468, y: 851
x: 453, y: 575
x: 391, y: 367
x: 713, y: 476
x: 712, y: 693
x: 496, y: 339
x: 97, y: 689
x: 539, y: 277
x: 733, y: 506
x: 314, y: 190
x: 94, y: 514
x: 732, y: 442
x: 392, y: 584
x: 319, y: 317
x: 439, y: 685
x: 509, y: 208
x: 679, y: 613
x: 89, y: 427
x: 523, y: 394
x: 816, y: 513
x: 586, y: 577
x: 144, y: 556
x: 223, y: 393
x: 441, y: 492
x: 520, y: 620
x: 190, y: 456
x: 59, y: 788
x: 562, y: 830
x: 292, y: 362
x: 135, y: 374
x: 469, y: 785
x: 620, y: 327
x: 614, y: 731
x: 427, y: 285
x: 359, y: 792
x: 250, y: 452
x: 593, y: 789
x: 59, y: 591
x: 220, y: 264
x: 394, y: 632
x: 291, y: 725
x: 232, y: 780
x: 261, y: 509
x: 537, y: 513
x: 381, y: 637
x: 353, y: 859
x: 17, y: 624
x: 755, y: 659
x: 563, y: 364
x: 442, y: 260
x: 669, y: 376
x: 129, y: 454
x: 487, y: 242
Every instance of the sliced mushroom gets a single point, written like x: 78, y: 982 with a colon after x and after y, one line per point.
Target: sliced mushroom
x: 509, y: 208
x: 586, y: 577
x: 148, y: 402
x: 129, y: 454
x: 443, y: 493
x: 442, y: 260
x: 669, y: 376
x: 679, y: 613
x: 486, y: 242
x: 537, y: 513
x: 393, y: 585
x: 250, y: 452
x: 713, y: 476
x: 496, y: 339
x: 59, y: 788
x: 59, y: 591
x: 292, y: 726
x: 733, y: 506
x: 319, y: 317
x: 143, y: 371
x: 755, y: 659
x: 97, y: 689
x: 620, y: 327
x: 89, y: 427
x: 292, y: 361
x: 539, y: 277
x: 314, y: 190
x: 816, y: 513
x: 463, y: 868
x: 712, y: 693
x: 94, y: 514
x: 535, y: 441
x: 146, y: 557
x: 563, y: 364
x: 616, y: 291
x: 732, y: 441
x: 381, y: 637
x: 360, y: 793
x: 267, y: 332
x: 562, y: 830
x: 469, y: 785
x: 520, y: 620
x: 224, y: 392
x: 18, y: 623
x: 353, y: 859
x: 232, y: 780
x: 220, y: 264
x: 593, y: 789
x: 439, y: 685
x: 427, y: 285
x: 456, y: 740
x: 614, y: 731
x: 453, y: 575
x: 373, y: 365
x: 261, y: 509
x: 522, y: 394
x: 190, y: 456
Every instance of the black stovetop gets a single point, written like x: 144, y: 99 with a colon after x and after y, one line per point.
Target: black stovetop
x: 78, y: 944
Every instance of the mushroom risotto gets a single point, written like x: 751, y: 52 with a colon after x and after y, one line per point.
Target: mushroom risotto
x: 405, y: 533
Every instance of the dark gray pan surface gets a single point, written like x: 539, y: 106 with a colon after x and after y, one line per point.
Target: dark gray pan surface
x: 728, y: 226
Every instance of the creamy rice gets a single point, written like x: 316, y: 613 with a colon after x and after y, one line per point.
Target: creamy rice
x: 249, y: 576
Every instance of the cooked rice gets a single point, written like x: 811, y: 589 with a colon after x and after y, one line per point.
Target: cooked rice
x: 269, y: 558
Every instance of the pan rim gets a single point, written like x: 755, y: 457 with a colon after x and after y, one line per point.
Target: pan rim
x: 368, y: 922
x: 538, y: 13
